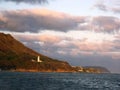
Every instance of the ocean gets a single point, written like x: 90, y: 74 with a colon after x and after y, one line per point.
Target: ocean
x: 58, y: 81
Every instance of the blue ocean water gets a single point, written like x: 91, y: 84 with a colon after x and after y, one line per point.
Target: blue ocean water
x: 58, y: 81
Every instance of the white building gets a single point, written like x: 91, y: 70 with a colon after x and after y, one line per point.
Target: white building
x: 38, y: 59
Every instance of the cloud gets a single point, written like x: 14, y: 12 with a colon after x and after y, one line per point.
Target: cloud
x: 104, y: 6
x: 49, y: 38
x: 106, y: 23
x: 101, y: 6
x: 116, y: 9
x: 27, y: 1
x: 36, y: 20
x: 114, y: 55
x: 39, y: 19
x: 69, y: 43
x: 93, y: 47
x: 117, y: 42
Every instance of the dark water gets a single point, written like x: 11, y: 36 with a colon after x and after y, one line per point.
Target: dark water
x: 58, y: 81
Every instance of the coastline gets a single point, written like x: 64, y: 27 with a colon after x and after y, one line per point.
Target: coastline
x: 50, y: 71
x: 33, y: 70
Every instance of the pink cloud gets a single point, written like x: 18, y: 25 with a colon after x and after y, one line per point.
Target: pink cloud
x: 93, y: 46
x: 49, y: 38
x: 66, y: 44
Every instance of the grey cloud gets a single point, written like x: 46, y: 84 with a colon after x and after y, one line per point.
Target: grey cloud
x: 28, y: 1
x: 36, y: 20
x: 101, y: 6
x: 26, y: 20
x: 117, y: 45
x: 117, y: 42
x: 114, y: 9
x: 106, y: 24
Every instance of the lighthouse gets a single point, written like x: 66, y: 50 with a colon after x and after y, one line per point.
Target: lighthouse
x: 38, y: 59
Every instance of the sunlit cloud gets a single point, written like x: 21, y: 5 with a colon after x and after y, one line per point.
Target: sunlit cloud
x: 62, y: 42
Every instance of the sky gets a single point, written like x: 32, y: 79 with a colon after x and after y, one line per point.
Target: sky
x: 81, y: 32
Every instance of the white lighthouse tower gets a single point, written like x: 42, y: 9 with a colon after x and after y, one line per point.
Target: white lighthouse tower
x: 38, y: 59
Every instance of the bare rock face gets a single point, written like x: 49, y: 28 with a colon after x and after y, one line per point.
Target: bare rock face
x: 15, y: 56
